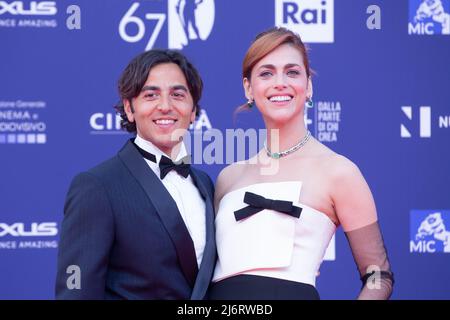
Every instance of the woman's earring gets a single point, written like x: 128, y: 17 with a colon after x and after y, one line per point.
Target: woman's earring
x: 309, y: 102
x: 250, y: 103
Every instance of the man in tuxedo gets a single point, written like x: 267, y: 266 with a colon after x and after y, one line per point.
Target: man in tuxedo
x: 141, y: 224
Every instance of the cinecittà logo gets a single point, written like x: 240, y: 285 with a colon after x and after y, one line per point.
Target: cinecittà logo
x: 109, y: 123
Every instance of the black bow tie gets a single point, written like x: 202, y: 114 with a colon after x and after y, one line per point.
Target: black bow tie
x: 165, y: 164
x: 257, y: 203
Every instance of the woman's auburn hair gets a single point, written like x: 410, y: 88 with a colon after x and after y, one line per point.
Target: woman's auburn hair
x: 266, y: 42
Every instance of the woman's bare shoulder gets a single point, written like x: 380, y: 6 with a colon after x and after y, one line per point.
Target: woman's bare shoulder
x: 334, y: 164
x: 228, y: 177
x: 341, y: 167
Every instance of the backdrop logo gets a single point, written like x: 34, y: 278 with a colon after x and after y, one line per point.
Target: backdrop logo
x: 21, y: 235
x: 313, y: 20
x: 25, y: 8
x: 323, y: 119
x: 105, y: 123
x: 21, y: 122
x: 110, y: 123
x: 35, y: 229
x: 188, y: 21
x: 428, y: 231
x: 424, y: 122
x: 429, y: 17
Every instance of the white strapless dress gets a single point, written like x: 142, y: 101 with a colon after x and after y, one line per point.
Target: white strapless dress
x: 270, y: 243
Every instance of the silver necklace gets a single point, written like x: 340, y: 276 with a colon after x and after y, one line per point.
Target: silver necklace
x: 277, y: 155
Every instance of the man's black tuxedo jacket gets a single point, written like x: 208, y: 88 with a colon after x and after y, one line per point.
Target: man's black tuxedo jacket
x: 123, y: 230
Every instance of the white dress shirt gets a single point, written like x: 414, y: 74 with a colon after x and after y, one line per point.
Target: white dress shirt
x: 186, y: 195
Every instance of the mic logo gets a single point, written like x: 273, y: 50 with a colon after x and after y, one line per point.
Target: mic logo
x: 429, y: 17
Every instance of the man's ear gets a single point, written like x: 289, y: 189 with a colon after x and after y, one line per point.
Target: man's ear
x: 248, y: 89
x: 129, y: 110
x: 193, y: 114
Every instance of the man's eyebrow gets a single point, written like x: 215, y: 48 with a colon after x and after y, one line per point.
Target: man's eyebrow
x: 179, y: 87
x: 175, y: 87
x: 150, y: 88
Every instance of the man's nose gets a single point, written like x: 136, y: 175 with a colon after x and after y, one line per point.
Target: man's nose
x: 164, y: 104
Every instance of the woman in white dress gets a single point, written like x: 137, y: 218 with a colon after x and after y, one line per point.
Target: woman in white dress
x: 277, y: 212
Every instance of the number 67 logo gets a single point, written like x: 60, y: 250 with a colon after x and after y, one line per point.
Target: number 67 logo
x: 129, y: 18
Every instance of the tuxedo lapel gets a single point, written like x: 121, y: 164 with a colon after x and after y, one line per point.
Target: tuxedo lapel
x: 166, y: 208
x: 209, y: 253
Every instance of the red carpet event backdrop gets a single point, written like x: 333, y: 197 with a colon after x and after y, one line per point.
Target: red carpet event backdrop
x: 381, y: 98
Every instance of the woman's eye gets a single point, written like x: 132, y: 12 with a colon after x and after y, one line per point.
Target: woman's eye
x: 293, y: 72
x: 265, y: 74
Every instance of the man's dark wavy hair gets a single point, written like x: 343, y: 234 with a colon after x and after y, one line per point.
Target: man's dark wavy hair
x: 135, y: 75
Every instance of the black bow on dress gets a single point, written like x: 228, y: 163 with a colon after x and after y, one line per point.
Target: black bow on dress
x: 257, y: 203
